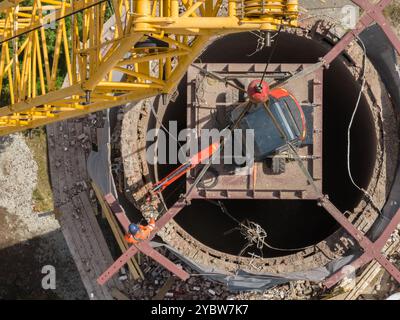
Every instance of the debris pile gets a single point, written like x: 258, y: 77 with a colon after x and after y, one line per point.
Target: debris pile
x: 295, y: 290
x: 159, y: 284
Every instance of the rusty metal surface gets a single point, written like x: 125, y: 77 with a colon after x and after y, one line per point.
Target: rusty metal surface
x: 166, y: 263
x: 317, y: 147
x: 376, y: 12
x: 210, y: 100
x: 372, y: 13
x: 330, y: 57
x: 118, y: 211
x: 342, y: 44
x: 372, y: 250
x: 144, y: 245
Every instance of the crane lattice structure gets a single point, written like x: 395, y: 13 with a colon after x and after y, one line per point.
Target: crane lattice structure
x: 43, y: 41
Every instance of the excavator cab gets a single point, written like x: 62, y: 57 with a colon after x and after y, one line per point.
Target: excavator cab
x: 277, y: 122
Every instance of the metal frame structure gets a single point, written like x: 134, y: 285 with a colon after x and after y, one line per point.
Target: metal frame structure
x: 30, y: 73
x: 373, y: 13
x: 371, y: 250
x: 92, y: 60
x: 133, y: 250
x: 292, y: 184
x: 143, y: 247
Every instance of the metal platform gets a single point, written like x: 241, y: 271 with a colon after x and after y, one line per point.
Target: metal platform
x: 208, y: 103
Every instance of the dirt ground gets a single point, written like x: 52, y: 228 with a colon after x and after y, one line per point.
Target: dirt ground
x: 392, y: 12
x: 29, y: 240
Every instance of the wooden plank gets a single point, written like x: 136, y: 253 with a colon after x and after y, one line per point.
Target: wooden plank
x: 54, y: 154
x: 81, y: 156
x: 84, y: 240
x: 92, y: 241
x: 66, y: 166
x: 94, y: 224
x: 76, y: 256
x: 81, y: 253
x: 118, y: 211
x: 54, y: 180
x: 95, y: 237
x: 370, y: 272
x: 164, y: 289
x: 72, y: 245
x: 82, y: 232
x: 118, y: 295
x: 133, y: 266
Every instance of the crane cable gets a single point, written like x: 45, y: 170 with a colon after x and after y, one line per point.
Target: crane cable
x: 218, y: 78
x: 352, y: 118
x: 55, y: 20
x: 369, y: 197
x: 271, y: 53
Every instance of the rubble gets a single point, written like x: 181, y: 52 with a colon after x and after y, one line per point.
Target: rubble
x: 29, y: 241
x: 201, y: 288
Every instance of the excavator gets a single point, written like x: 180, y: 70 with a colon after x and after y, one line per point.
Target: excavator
x: 276, y: 119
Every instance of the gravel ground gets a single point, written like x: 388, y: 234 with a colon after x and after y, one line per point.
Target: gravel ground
x: 18, y: 176
x: 29, y: 240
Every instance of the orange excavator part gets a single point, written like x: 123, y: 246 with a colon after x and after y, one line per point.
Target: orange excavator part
x: 204, y: 154
x: 198, y: 158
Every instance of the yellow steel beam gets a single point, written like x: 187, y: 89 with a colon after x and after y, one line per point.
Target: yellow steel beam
x: 32, y: 55
x: 79, y: 110
x: 184, y: 62
x: 105, y: 66
x: 210, y: 25
x: 154, y: 56
x: 7, y: 4
x: 48, y: 98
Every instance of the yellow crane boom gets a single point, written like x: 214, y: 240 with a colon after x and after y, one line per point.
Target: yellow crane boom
x: 43, y: 41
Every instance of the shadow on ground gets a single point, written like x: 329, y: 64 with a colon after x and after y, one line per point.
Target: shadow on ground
x: 21, y: 265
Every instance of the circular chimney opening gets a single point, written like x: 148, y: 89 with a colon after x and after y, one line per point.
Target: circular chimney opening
x: 290, y: 224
